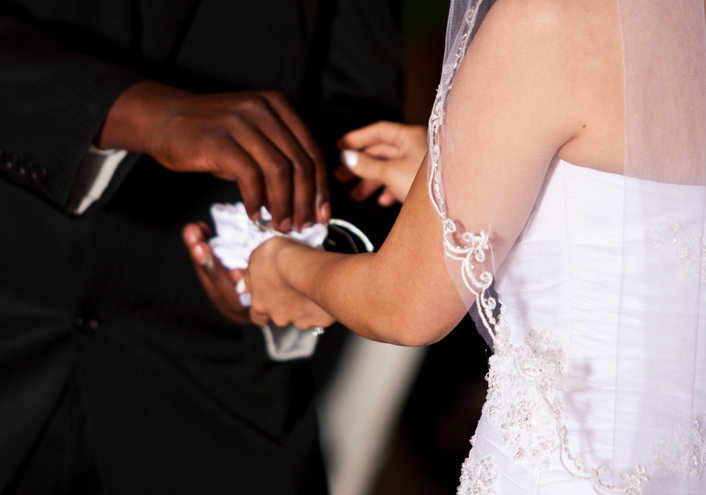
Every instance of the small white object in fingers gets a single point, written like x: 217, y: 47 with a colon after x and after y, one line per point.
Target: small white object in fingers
x: 350, y: 158
x: 240, y: 286
x: 318, y: 331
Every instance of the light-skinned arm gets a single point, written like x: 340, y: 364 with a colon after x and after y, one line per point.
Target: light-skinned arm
x: 531, y: 92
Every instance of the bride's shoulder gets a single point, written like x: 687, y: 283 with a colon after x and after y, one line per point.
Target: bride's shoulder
x: 564, y: 59
x: 552, y: 69
x: 568, y: 46
x: 530, y: 14
x: 545, y: 22
x: 547, y: 42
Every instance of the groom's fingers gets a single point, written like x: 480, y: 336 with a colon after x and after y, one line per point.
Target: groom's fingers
x: 303, y: 177
x: 205, y: 230
x: 214, y: 277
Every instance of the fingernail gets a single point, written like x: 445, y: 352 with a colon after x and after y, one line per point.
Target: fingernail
x: 285, y: 225
x: 307, y: 225
x: 325, y: 211
x: 350, y: 158
x: 245, y: 300
x: 191, y: 239
x: 201, y: 257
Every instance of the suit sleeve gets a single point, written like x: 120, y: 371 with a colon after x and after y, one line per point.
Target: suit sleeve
x: 361, y: 84
x: 362, y: 77
x: 53, y: 102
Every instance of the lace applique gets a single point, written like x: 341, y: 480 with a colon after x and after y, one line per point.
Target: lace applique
x: 690, y: 248
x: 684, y: 453
x: 478, y: 478
x: 528, y: 373
x: 531, y: 419
x: 464, y: 247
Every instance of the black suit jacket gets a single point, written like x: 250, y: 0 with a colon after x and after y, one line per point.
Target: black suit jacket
x: 176, y: 398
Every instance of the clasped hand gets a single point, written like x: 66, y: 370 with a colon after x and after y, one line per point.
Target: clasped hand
x: 386, y: 154
x: 253, y: 137
x: 273, y: 298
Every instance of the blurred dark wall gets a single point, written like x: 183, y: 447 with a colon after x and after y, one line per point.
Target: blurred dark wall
x: 423, y: 32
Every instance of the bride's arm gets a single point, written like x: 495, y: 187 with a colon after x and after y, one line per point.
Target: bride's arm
x: 400, y: 294
x: 515, y: 111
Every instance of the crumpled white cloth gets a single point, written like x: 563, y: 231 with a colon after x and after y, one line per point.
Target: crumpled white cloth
x: 236, y: 238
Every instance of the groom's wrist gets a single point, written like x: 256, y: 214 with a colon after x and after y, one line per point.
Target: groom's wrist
x: 137, y: 115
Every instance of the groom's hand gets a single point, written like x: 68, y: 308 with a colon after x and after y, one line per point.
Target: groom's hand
x: 215, y: 278
x: 254, y: 138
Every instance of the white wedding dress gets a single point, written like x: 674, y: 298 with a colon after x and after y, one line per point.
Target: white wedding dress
x: 566, y: 397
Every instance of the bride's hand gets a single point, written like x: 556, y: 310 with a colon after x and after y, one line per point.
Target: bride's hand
x: 273, y: 299
x: 382, y: 154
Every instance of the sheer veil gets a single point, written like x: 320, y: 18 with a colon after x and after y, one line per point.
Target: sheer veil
x: 661, y: 333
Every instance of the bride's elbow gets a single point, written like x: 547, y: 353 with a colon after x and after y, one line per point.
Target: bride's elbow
x: 411, y: 329
x: 421, y: 339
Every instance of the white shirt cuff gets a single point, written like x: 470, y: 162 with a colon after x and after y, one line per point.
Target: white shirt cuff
x: 94, y: 175
x: 288, y: 343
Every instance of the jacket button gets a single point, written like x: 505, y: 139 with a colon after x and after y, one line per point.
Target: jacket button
x: 93, y: 324
x: 33, y: 174
x: 43, y: 174
x: 87, y: 324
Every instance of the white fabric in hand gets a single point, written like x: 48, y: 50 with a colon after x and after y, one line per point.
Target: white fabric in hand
x: 237, y: 236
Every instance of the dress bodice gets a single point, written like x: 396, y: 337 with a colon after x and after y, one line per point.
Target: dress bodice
x: 593, y: 387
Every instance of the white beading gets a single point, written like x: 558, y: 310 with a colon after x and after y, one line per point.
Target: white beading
x: 478, y: 478
x: 689, y: 247
x: 684, y: 453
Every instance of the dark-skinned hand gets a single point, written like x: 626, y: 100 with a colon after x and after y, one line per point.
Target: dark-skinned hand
x: 217, y: 280
x: 254, y: 138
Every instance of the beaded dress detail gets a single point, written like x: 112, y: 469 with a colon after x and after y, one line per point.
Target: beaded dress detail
x: 597, y: 316
x: 548, y: 422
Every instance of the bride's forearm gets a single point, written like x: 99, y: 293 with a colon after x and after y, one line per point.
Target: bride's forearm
x: 343, y: 285
x: 402, y: 294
